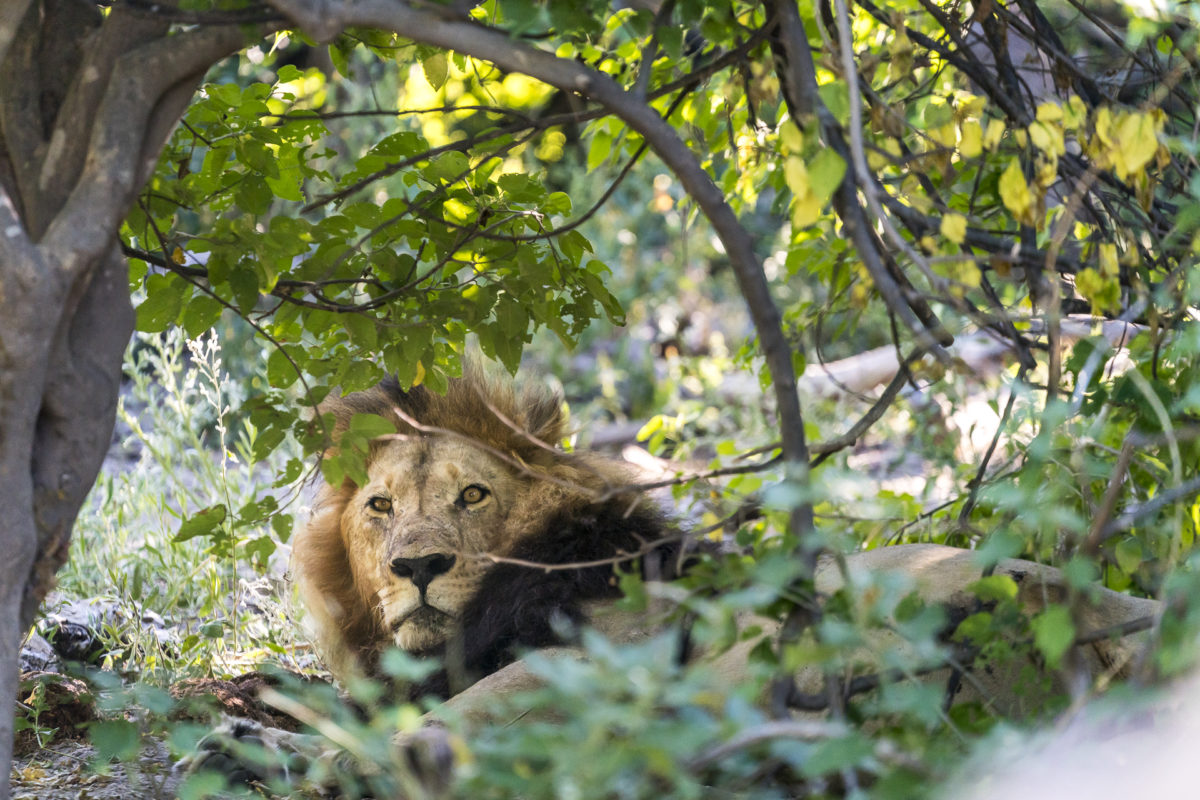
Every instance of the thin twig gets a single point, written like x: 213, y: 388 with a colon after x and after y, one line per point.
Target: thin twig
x: 804, y: 730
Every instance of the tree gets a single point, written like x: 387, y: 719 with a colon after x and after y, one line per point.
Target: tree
x: 924, y: 154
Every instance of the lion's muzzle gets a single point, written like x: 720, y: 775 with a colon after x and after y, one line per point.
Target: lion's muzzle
x: 422, y: 570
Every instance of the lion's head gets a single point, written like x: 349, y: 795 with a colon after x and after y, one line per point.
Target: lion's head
x: 428, y: 553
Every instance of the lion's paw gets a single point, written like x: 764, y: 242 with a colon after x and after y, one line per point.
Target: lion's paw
x: 245, y: 753
x: 429, y: 755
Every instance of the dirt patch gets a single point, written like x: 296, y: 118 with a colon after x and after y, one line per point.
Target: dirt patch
x: 65, y: 771
x: 238, y: 697
x: 61, y: 764
x: 53, y: 702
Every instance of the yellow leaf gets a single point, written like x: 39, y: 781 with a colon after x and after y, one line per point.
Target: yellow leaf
x: 1047, y: 137
x: 1108, y: 260
x: 795, y: 173
x: 1137, y: 143
x: 805, y: 210
x: 1046, y: 169
x: 807, y: 201
x: 967, y: 273
x: 954, y: 227
x: 1076, y: 113
x: 436, y: 69
x: 969, y: 105
x: 32, y: 773
x: 900, y: 48
x: 1049, y: 112
x: 1100, y: 146
x: 944, y: 135
x: 1103, y: 293
x: 790, y: 138
x: 420, y: 374
x: 970, y: 142
x: 1162, y: 158
x: 1015, y: 194
x: 878, y: 160
x: 994, y: 133
x: 914, y: 195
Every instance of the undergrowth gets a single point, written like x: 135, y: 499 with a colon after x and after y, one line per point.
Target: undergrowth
x: 184, y: 447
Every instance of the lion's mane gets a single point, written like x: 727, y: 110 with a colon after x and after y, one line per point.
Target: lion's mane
x: 586, y: 514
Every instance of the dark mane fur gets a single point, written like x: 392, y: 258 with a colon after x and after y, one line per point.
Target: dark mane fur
x: 520, y: 608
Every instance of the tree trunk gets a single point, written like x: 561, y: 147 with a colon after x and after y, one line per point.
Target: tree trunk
x: 86, y: 103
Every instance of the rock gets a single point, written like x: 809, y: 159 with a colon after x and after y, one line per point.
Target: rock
x: 37, y: 655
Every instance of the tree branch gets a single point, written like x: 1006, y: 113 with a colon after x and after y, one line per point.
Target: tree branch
x: 83, y: 229
x: 65, y: 155
x: 11, y: 14
x: 20, y: 258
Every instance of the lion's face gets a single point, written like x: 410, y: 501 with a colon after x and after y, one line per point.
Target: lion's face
x: 416, y: 530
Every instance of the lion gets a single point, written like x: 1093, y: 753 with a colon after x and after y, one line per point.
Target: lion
x: 475, y: 539
x: 428, y: 555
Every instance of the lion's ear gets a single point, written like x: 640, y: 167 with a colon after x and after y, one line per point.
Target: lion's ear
x: 543, y: 417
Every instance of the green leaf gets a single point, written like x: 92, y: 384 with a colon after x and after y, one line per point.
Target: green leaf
x: 203, y: 784
x: 825, y: 173
x: 836, y: 99
x: 254, y: 196
x: 280, y: 372
x: 436, y: 69
x: 994, y: 588
x: 1053, y: 632
x: 362, y: 330
x: 259, y: 550
x: 557, y: 203
x: 520, y: 188
x: 202, y: 523
x: 599, y: 149
x: 837, y: 754
x: 448, y: 167
x: 114, y: 739
x: 244, y: 283
x: 974, y: 628
x: 201, y: 314
x: 1129, y: 555
x: 371, y: 426
x: 282, y: 525
x: 164, y: 300
x: 360, y: 375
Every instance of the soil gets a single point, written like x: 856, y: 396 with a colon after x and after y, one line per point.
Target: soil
x: 65, y: 770
x: 61, y: 764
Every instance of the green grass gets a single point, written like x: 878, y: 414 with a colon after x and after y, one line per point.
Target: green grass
x: 224, y: 597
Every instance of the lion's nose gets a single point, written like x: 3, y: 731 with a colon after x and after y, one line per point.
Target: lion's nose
x: 421, y: 571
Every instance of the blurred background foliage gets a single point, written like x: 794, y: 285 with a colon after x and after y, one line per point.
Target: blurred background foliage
x: 326, y: 215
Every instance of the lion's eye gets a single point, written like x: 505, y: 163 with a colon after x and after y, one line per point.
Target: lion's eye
x: 380, y: 504
x: 473, y: 494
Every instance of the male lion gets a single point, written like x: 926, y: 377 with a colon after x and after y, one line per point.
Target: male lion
x: 437, y: 553
x: 426, y: 555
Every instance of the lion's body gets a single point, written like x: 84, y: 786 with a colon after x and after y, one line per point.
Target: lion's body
x: 483, y: 604
x: 940, y: 576
x: 437, y: 553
